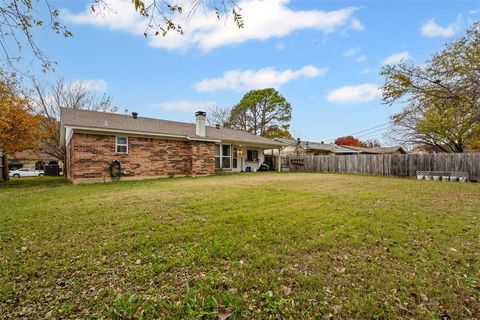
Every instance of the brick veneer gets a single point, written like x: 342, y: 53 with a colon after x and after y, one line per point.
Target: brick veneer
x: 88, y: 156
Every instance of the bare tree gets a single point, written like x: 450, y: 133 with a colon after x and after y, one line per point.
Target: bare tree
x: 372, y: 143
x: 218, y: 115
x: 441, y: 97
x: 20, y: 18
x: 49, y: 99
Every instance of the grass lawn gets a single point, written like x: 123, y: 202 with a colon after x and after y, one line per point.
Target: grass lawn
x: 253, y: 246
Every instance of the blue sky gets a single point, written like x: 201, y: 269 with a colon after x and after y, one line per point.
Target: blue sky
x: 323, y: 57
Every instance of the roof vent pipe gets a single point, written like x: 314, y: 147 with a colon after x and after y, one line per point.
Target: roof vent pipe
x: 200, y: 123
x: 134, y: 115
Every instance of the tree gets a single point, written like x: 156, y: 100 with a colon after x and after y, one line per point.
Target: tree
x: 372, y: 143
x: 275, y: 132
x: 20, y: 18
x: 349, y: 141
x: 19, y: 126
x: 218, y: 115
x: 47, y: 101
x: 262, y: 111
x: 442, y: 97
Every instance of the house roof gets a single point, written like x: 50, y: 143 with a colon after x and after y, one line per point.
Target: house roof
x: 379, y: 150
x: 98, y: 121
x: 310, y: 145
x: 32, y: 155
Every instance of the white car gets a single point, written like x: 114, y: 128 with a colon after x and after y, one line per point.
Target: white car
x: 25, y: 172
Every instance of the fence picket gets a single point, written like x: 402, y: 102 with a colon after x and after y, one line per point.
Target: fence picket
x: 388, y: 164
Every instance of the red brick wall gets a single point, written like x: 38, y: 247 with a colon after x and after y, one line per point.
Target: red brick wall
x: 89, y: 156
x: 203, y: 158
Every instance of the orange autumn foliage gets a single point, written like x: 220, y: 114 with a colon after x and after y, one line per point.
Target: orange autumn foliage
x: 19, y: 126
x: 349, y: 141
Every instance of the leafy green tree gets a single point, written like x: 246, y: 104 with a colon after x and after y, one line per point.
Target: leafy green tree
x: 276, y: 132
x: 441, y: 97
x: 262, y: 112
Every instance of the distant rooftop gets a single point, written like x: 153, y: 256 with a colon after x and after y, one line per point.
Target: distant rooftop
x: 330, y: 147
x: 318, y: 146
x: 379, y: 150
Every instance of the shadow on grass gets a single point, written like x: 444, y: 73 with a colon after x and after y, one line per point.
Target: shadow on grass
x: 33, y: 182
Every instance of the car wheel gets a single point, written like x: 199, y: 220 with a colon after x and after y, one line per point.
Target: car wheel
x: 40, y: 174
x: 16, y: 175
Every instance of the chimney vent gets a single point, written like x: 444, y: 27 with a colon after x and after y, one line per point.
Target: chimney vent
x: 200, y: 123
x: 134, y: 115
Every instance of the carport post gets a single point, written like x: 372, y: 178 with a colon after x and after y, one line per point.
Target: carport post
x: 279, y: 162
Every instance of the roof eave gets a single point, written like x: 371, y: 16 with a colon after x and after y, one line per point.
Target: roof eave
x: 140, y: 133
x: 255, y: 144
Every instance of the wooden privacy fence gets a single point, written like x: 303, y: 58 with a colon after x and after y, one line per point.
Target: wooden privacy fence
x: 404, y: 165
x: 3, y: 166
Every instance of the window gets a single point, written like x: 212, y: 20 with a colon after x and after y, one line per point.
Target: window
x: 121, y: 145
x: 222, y: 156
x: 252, y: 155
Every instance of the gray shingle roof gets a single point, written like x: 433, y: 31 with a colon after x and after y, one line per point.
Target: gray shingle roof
x: 310, y: 145
x: 112, y: 121
x: 379, y: 150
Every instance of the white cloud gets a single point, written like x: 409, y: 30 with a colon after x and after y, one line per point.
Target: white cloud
x: 186, y: 105
x: 354, y: 53
x: 353, y: 94
x: 351, y: 52
x: 361, y: 58
x: 256, y: 79
x: 356, y: 25
x: 396, y: 58
x: 473, y: 11
x: 432, y: 29
x: 263, y: 20
x: 97, y: 85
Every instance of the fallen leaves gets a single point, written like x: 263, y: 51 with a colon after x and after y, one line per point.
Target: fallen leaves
x: 225, y: 314
x: 285, y: 290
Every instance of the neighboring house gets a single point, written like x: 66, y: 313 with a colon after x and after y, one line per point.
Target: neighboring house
x: 379, y: 150
x: 299, y: 147
x: 149, y: 148
x: 34, y: 159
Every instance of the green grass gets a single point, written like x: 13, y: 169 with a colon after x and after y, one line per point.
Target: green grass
x: 253, y: 246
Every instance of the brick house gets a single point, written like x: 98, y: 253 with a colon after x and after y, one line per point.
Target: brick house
x: 151, y: 148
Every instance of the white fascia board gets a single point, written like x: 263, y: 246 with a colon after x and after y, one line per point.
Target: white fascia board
x: 253, y: 145
x: 68, y: 135
x: 138, y: 133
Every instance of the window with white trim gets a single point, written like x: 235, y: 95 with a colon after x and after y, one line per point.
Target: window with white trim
x: 222, y: 156
x: 121, y: 144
